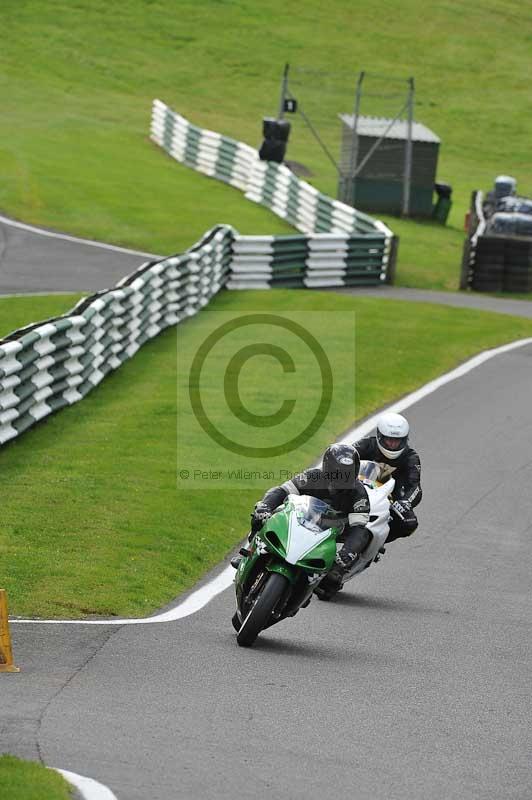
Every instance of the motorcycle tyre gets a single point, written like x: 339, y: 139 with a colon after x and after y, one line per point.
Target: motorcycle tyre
x: 259, y: 615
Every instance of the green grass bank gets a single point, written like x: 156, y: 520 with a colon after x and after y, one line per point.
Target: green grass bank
x: 16, y: 312
x: 27, y: 780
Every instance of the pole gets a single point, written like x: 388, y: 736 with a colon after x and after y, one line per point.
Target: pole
x: 350, y: 185
x: 284, y: 87
x: 407, y: 181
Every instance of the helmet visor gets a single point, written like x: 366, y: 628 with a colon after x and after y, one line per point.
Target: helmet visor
x: 393, y: 443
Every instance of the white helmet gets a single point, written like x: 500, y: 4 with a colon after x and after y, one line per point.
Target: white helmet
x: 392, y: 434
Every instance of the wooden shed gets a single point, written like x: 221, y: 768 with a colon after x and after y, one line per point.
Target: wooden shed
x: 379, y: 185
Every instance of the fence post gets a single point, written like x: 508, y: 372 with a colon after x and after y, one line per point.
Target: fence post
x: 349, y: 187
x: 407, y: 179
x: 284, y: 87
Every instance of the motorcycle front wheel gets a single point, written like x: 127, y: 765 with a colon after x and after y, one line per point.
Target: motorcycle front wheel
x: 262, y: 609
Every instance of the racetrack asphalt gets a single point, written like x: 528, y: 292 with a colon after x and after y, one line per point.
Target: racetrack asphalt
x: 501, y: 305
x: 414, y: 684
x: 35, y: 260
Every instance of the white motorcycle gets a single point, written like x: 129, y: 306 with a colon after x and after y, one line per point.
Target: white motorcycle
x: 379, y: 526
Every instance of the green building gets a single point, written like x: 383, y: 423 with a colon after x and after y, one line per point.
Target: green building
x: 379, y: 186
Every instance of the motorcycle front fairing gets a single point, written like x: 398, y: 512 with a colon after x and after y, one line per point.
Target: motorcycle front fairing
x: 299, y: 535
x: 295, y: 542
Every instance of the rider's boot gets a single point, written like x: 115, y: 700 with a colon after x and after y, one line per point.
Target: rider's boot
x: 333, y: 583
x: 328, y: 587
x: 242, y: 553
x: 345, y: 560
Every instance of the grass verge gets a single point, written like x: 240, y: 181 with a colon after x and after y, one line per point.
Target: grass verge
x: 27, y: 780
x: 92, y: 521
x: 15, y: 312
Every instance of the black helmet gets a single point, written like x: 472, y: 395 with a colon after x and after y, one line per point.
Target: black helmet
x: 340, y: 467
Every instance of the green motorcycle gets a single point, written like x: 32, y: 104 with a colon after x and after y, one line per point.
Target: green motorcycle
x: 284, y: 563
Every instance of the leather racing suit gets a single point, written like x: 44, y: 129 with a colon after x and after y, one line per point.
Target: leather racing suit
x: 406, y: 470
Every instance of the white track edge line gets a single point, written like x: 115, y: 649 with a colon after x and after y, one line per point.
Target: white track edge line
x: 88, y: 787
x: 198, y: 599
x: 432, y: 386
x: 91, y: 242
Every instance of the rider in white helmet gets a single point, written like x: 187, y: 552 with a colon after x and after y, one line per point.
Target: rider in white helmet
x: 389, y: 447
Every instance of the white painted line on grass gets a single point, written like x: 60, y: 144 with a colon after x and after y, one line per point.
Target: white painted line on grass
x: 198, y: 599
x: 66, y: 237
x: 87, y: 787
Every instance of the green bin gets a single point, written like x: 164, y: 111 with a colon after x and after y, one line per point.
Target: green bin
x: 442, y: 206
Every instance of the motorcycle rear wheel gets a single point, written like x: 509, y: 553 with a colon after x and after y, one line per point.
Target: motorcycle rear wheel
x: 261, y: 611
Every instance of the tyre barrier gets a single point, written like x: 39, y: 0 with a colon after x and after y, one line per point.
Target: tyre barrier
x: 49, y: 365
x: 52, y: 364
x: 324, y: 260
x: 266, y: 182
x: 494, y: 262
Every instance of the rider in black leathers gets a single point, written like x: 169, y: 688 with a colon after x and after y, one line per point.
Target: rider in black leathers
x: 389, y: 447
x: 337, y: 484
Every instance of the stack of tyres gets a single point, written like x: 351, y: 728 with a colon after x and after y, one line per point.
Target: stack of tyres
x: 518, y: 265
x: 488, y: 274
x: 276, y: 133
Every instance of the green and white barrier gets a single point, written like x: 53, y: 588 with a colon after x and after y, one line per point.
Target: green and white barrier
x: 265, y: 182
x: 49, y: 365
x: 206, y: 151
x: 323, y: 260
x: 303, y: 206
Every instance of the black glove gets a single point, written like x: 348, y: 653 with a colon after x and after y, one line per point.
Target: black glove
x: 345, y: 559
x: 259, y: 516
x: 402, y: 509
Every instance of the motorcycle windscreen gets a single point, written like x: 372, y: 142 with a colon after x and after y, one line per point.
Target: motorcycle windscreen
x: 369, y: 472
x: 310, y: 511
